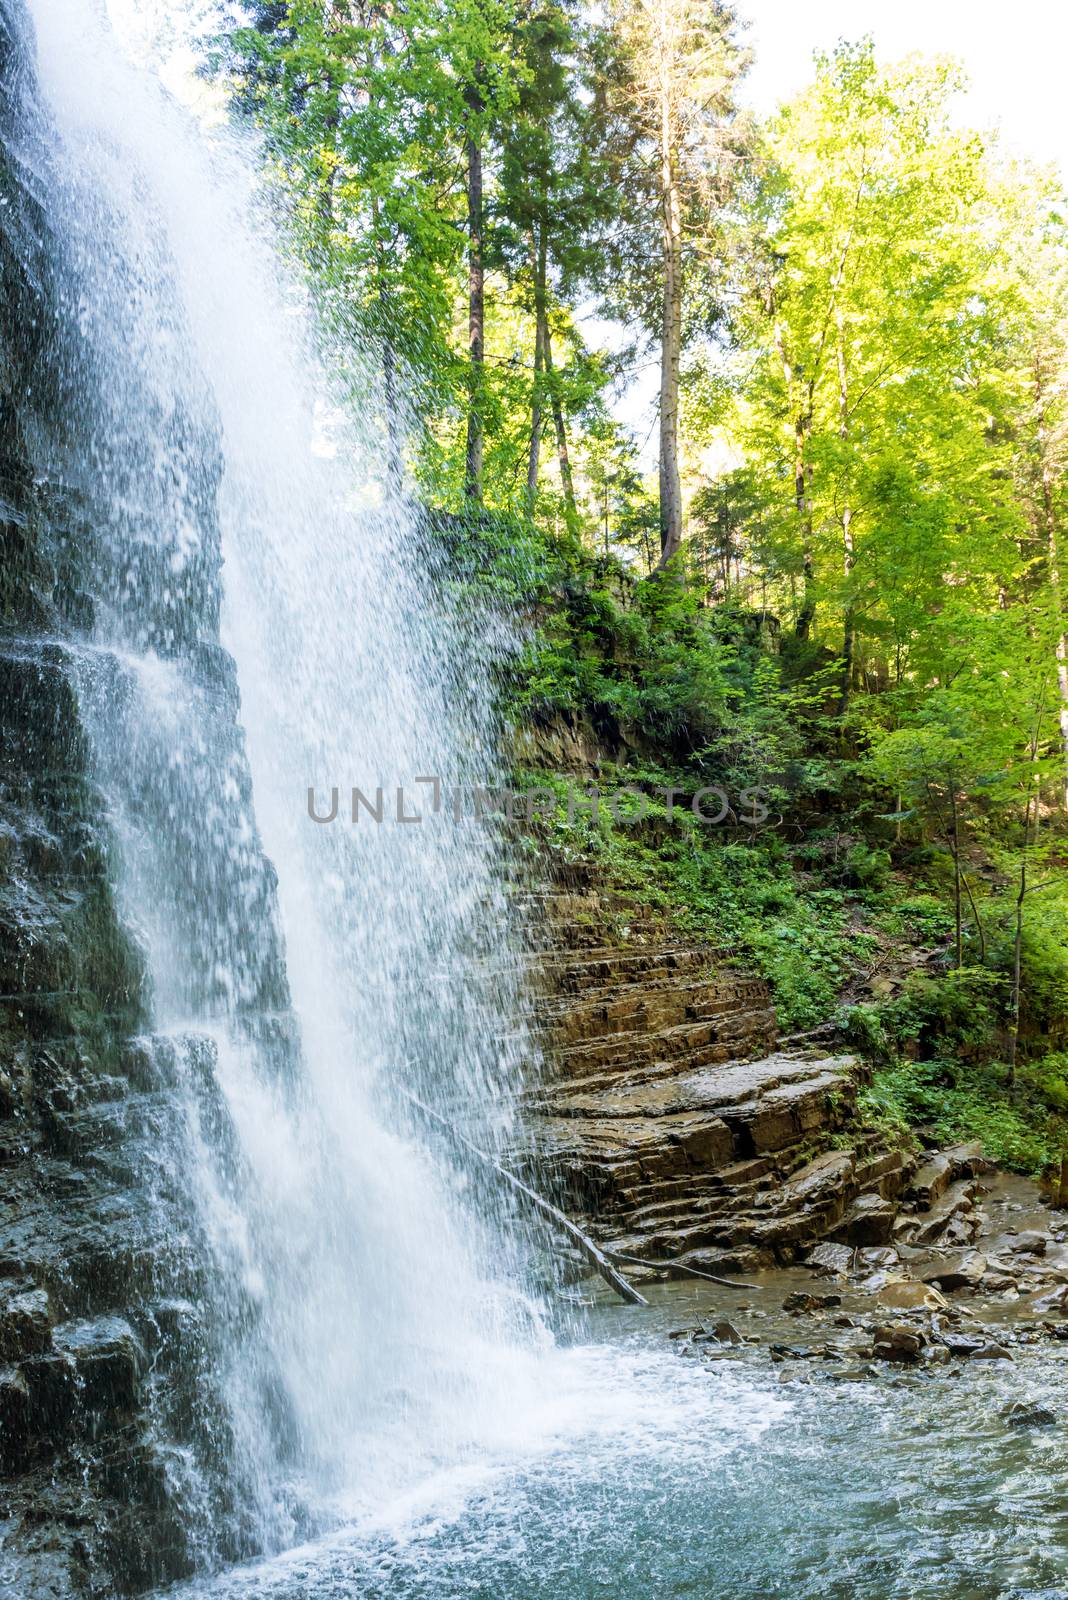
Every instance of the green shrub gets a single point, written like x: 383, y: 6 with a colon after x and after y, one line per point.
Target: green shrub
x: 1018, y: 1127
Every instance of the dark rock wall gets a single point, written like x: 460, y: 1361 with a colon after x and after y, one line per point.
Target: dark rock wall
x: 116, y: 1461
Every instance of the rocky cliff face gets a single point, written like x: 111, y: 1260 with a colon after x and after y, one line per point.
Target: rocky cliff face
x: 117, y: 1465
x: 671, y: 1122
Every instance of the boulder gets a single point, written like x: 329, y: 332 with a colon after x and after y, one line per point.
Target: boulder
x: 954, y: 1203
x: 992, y: 1352
x: 896, y: 1341
x: 963, y: 1269
x: 799, y: 1300
x: 911, y: 1297
x: 931, y: 1180
x: 1029, y: 1414
x: 967, y: 1160
x: 869, y: 1221
x: 961, y: 1345
x: 1030, y: 1243
x: 830, y: 1260
x: 878, y: 1259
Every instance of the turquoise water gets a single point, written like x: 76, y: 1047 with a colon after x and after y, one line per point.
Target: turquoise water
x: 644, y: 1475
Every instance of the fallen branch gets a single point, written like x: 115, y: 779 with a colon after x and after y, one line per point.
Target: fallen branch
x: 595, y: 1256
x: 677, y: 1266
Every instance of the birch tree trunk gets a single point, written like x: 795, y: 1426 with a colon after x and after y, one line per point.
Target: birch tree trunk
x: 848, y: 625
x: 562, y: 453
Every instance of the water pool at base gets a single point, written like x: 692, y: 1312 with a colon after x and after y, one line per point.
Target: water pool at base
x: 642, y: 1475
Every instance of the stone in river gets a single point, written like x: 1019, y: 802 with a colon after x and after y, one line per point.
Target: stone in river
x: 800, y: 1300
x: 895, y: 1341
x: 1029, y: 1414
x: 960, y: 1270
x: 911, y: 1297
x: 830, y: 1259
x: 1031, y: 1243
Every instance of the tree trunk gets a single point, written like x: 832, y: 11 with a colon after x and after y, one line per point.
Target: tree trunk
x: 541, y: 329
x: 958, y: 938
x: 1017, y: 965
x: 476, y: 314
x: 848, y: 624
x: 802, y: 499
x: 671, y: 328
x: 1050, y: 519
x: 563, y: 456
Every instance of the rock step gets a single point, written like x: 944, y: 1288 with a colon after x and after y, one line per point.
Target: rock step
x: 611, y: 963
x: 650, y: 1006
x: 630, y: 1048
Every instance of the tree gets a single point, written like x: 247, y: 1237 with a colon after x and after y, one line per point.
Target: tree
x: 873, y: 303
x: 671, y: 132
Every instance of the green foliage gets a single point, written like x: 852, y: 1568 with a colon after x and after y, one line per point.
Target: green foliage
x: 1022, y: 1128
x: 868, y: 616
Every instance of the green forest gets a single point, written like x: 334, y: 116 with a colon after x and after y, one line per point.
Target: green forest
x: 833, y: 569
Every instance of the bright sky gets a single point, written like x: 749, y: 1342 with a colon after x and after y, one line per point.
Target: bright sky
x: 1015, y: 55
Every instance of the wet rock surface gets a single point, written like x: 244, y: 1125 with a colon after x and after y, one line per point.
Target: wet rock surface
x: 106, y: 1397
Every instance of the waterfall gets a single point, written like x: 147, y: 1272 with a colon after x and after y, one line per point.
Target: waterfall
x: 338, y: 1311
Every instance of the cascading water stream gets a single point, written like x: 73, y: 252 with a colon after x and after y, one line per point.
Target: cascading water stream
x: 294, y: 1344
x: 353, y: 1336
x: 328, y: 1323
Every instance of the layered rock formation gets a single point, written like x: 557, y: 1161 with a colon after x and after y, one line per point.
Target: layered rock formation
x: 670, y: 1123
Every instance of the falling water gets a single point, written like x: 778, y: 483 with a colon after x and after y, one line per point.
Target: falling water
x: 359, y: 1321
x: 342, y: 1365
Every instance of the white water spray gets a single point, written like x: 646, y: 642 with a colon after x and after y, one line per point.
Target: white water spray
x: 365, y: 1339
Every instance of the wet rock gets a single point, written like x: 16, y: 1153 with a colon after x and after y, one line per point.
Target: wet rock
x: 1030, y: 1243
x: 726, y: 1333
x: 955, y: 1203
x: 109, y: 1360
x: 931, y: 1180
x: 52, y: 1384
x: 1055, y: 1300
x: 1029, y: 1414
x: 799, y: 1300
x: 997, y: 1282
x: 961, y: 1270
x: 15, y: 1419
x: 961, y: 1345
x: 992, y: 1352
x: 869, y: 1221
x: 896, y: 1341
x: 968, y: 1159
x: 831, y: 1260
x: 885, y: 1258
x: 911, y: 1297
x: 25, y: 1321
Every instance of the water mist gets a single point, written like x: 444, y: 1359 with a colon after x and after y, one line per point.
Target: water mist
x: 361, y: 1324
